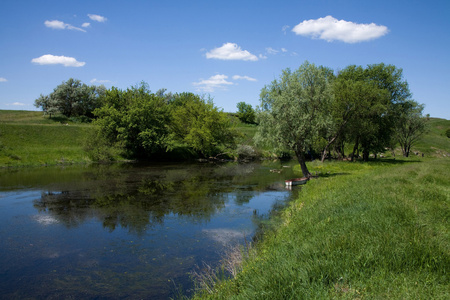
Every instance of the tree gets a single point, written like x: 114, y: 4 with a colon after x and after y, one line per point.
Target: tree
x: 358, y: 103
x: 295, y: 109
x: 410, y: 125
x: 200, y: 125
x: 72, y: 99
x: 135, y: 119
x: 378, y: 93
x: 246, y: 113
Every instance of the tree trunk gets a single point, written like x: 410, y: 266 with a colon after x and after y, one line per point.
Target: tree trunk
x: 301, y: 160
x: 355, y: 148
x: 365, y: 155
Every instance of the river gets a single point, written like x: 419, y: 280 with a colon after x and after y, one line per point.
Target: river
x: 127, y: 231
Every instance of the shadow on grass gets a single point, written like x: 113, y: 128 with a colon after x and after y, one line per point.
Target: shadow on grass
x: 392, y: 161
x: 327, y: 175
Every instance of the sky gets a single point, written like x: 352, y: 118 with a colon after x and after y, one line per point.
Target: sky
x: 228, y: 50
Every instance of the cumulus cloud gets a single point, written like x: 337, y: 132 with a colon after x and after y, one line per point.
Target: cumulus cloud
x: 218, y: 81
x: 231, y: 51
x: 97, y: 18
x: 2, y: 79
x: 55, y: 24
x: 239, y: 77
x: 49, y: 59
x: 331, y: 29
x: 99, y: 81
x: 86, y: 24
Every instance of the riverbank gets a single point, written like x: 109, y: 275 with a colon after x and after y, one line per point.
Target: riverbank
x: 374, y: 230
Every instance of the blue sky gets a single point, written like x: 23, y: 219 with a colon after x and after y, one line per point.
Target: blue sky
x: 228, y: 49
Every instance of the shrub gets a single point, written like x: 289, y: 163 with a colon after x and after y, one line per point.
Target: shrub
x: 247, y: 153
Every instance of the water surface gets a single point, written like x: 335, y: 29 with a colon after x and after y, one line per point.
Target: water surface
x: 126, y: 231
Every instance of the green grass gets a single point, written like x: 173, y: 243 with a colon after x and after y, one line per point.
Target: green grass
x: 376, y: 231
x: 435, y: 142
x: 29, y: 139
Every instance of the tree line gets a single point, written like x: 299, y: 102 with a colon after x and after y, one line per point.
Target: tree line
x: 137, y: 123
x: 310, y: 111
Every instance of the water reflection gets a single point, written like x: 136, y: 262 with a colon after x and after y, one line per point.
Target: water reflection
x: 125, y: 231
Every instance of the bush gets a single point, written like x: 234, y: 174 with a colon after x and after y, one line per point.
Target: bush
x: 247, y: 153
x: 246, y: 113
x: 447, y: 133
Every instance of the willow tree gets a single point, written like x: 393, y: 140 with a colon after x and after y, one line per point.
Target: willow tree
x: 295, y: 110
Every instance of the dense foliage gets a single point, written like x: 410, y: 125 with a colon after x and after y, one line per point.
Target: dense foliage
x: 246, y: 113
x: 200, y: 125
x: 145, y: 124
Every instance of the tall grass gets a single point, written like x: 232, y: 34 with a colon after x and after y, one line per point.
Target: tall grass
x: 360, y: 231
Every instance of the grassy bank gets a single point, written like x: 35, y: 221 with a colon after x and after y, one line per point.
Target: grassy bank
x: 375, y: 230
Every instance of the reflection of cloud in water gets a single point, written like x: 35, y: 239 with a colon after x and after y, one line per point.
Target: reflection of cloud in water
x: 223, y: 235
x: 45, y: 220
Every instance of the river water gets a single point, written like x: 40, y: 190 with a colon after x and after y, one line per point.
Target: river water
x: 127, y: 231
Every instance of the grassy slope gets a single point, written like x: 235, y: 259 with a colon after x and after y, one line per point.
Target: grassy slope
x: 375, y: 230
x: 28, y: 139
x: 435, y: 142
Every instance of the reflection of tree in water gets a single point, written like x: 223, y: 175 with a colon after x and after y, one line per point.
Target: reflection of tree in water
x: 136, y: 201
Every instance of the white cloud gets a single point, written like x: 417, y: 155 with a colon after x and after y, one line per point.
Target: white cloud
x: 284, y: 50
x: 218, y: 81
x: 99, y: 81
x: 331, y: 29
x: 49, y: 59
x: 238, y: 77
x: 55, y: 24
x: 97, y: 18
x: 272, y: 51
x: 2, y: 79
x: 231, y: 51
x: 285, y: 28
x: 18, y: 104
x: 85, y: 25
